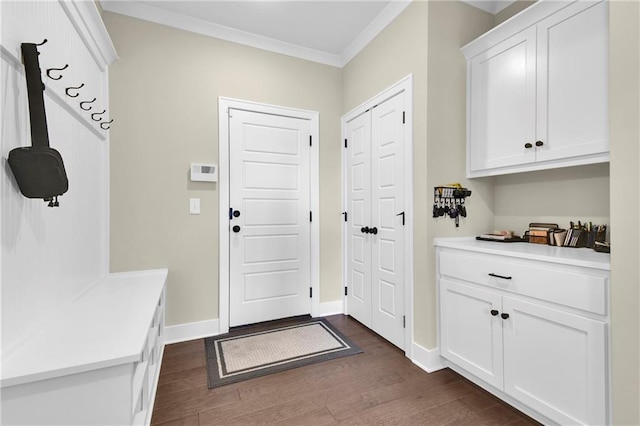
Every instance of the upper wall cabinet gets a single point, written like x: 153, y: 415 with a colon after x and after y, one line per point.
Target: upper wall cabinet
x: 537, y: 90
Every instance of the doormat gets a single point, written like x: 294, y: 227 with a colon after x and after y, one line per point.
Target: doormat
x: 246, y: 354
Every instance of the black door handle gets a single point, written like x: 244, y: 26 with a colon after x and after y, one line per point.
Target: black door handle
x: 494, y: 312
x: 236, y: 229
x: 374, y: 230
x: 365, y: 230
x: 402, y: 214
x: 528, y: 145
x: 504, y: 316
x: 539, y: 143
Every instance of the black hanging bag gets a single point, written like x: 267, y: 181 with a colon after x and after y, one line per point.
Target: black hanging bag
x: 38, y: 169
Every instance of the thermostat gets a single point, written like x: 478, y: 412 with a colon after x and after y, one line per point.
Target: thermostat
x: 204, y: 172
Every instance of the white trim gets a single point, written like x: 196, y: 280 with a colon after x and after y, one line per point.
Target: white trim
x: 224, y: 104
x: 427, y: 359
x: 86, y: 19
x: 388, y: 14
x: 191, y: 331
x: 199, y: 26
x: 327, y: 308
x: 405, y: 85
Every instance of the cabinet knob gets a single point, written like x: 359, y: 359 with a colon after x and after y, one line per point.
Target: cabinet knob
x: 504, y: 315
x: 528, y: 145
x: 539, y: 143
x: 374, y: 230
x: 365, y: 230
x: 494, y: 312
x: 236, y: 229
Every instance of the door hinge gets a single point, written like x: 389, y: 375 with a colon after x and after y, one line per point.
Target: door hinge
x: 345, y: 216
x: 402, y: 117
x: 310, y: 292
x: 310, y: 217
x: 310, y: 140
x: 346, y: 292
x: 404, y: 322
x: 345, y: 143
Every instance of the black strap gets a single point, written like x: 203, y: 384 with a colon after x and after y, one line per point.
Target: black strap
x: 35, y: 90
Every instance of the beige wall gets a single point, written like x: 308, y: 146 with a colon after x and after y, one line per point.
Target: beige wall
x: 511, y: 10
x: 624, y: 118
x: 164, y: 92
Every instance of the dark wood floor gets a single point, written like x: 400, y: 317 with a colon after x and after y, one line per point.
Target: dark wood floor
x: 380, y: 386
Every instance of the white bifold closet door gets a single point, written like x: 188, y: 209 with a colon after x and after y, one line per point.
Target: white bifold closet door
x: 375, y: 237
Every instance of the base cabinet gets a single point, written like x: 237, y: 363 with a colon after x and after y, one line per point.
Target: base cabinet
x: 548, y: 357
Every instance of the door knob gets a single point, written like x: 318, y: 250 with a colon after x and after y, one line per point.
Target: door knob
x: 539, y: 143
x: 504, y: 316
x: 374, y: 230
x: 236, y: 228
x: 365, y: 230
x: 528, y: 145
x: 494, y: 312
x: 236, y: 213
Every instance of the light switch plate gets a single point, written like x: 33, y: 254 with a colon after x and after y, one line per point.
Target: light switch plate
x: 194, y: 205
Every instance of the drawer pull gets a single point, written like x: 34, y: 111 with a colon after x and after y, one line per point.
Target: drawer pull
x: 499, y: 276
x: 494, y: 312
x: 504, y: 316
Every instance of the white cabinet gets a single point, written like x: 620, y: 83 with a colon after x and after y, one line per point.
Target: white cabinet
x: 537, y: 90
x: 529, y: 325
x: 96, y: 362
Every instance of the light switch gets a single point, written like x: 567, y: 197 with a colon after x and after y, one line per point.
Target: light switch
x: 194, y: 205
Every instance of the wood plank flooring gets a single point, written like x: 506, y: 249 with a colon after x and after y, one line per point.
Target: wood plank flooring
x: 380, y: 386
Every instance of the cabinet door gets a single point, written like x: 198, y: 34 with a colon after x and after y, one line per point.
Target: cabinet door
x: 470, y: 335
x: 554, y: 362
x: 502, y: 104
x: 572, y: 82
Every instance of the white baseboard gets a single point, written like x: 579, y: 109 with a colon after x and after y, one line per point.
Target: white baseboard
x: 191, y: 331
x: 327, y: 308
x: 427, y: 359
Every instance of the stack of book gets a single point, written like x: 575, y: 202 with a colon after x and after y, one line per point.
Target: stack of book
x: 583, y: 235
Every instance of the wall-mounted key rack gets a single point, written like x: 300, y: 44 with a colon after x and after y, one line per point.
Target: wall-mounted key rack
x: 449, y: 201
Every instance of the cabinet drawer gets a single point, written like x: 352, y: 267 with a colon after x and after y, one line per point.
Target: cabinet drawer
x: 565, y: 285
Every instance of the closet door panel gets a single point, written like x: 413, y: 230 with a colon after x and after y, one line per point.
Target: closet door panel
x: 387, y: 269
x: 359, y: 196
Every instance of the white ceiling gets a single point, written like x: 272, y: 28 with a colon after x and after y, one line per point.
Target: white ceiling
x: 326, y: 31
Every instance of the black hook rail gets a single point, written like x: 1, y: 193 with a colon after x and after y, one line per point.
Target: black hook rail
x: 73, y: 88
x: 95, y: 114
x: 56, y: 69
x: 87, y: 102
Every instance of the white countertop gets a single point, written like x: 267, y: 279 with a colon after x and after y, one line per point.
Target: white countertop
x: 584, y: 257
x: 106, y: 326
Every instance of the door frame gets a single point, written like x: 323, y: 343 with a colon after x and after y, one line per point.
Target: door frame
x: 404, y: 85
x: 224, y: 104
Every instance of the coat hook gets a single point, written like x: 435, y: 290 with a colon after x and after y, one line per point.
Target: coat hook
x: 87, y: 102
x: 95, y: 114
x: 73, y: 88
x: 43, y: 42
x: 56, y: 69
x: 102, y: 125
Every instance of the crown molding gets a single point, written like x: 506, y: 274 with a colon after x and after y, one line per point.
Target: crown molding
x: 86, y: 19
x: 175, y: 20
x: 376, y: 26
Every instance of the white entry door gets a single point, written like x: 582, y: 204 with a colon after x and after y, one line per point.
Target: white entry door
x: 375, y: 240
x: 269, y: 217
